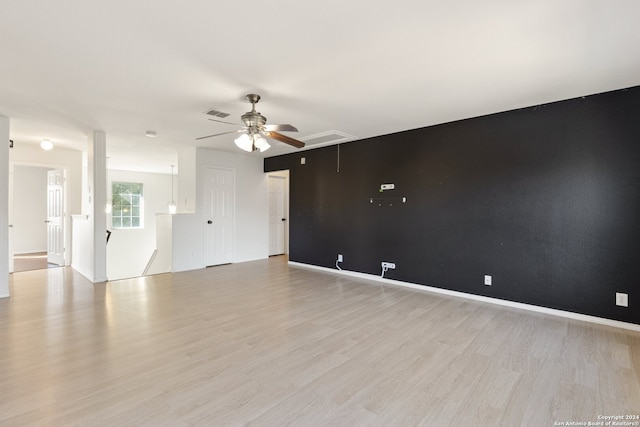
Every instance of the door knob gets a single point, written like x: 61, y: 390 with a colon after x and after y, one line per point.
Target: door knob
x: 47, y: 221
x: 209, y: 222
x: 284, y: 219
x: 10, y: 225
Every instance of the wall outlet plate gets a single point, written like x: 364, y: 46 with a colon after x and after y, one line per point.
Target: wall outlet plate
x: 487, y: 280
x: 339, y: 257
x: 388, y: 265
x: 622, y: 299
x: 387, y: 187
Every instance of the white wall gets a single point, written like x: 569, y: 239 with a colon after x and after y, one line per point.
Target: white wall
x: 252, y: 200
x: 29, y: 209
x: 97, y: 182
x: 4, y: 207
x: 81, y: 258
x: 58, y: 158
x: 129, y: 251
x: 251, y: 239
x: 186, y: 195
x: 164, y: 254
x: 188, y: 243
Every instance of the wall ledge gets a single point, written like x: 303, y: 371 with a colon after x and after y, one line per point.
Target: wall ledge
x: 497, y: 301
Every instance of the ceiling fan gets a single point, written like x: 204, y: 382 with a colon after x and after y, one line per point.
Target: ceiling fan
x: 255, y: 130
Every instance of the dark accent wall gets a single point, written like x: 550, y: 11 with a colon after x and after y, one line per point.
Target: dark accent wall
x: 545, y: 199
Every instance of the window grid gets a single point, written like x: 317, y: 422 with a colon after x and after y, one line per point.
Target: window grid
x: 127, y: 205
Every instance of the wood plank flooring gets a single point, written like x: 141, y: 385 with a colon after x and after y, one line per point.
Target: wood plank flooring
x: 265, y: 344
x: 31, y: 261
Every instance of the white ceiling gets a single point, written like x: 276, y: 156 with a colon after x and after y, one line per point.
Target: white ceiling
x: 68, y: 67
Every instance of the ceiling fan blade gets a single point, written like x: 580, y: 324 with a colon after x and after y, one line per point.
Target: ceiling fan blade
x: 217, y: 134
x: 281, y: 128
x: 284, y: 138
x: 222, y: 121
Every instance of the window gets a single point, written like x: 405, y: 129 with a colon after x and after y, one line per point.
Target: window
x: 128, y: 203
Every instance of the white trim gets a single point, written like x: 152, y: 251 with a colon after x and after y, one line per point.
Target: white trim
x: 284, y: 176
x: 518, y: 305
x: 4, y: 295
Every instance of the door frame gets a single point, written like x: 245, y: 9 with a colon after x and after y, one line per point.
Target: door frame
x: 282, y: 174
x: 67, y: 225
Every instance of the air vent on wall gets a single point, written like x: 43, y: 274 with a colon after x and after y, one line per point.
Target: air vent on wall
x: 216, y: 113
x: 327, y: 138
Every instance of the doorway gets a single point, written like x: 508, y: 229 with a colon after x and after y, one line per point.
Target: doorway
x: 278, y: 184
x: 37, y: 217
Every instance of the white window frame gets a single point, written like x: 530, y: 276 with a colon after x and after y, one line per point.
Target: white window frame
x: 127, y: 205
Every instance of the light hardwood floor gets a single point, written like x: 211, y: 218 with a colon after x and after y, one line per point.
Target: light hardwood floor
x: 31, y: 261
x: 262, y: 343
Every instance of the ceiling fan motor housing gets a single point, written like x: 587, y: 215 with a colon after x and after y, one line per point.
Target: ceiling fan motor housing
x: 253, y: 119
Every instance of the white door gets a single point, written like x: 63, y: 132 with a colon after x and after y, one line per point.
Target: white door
x: 219, y: 232
x: 276, y: 215
x: 55, y: 217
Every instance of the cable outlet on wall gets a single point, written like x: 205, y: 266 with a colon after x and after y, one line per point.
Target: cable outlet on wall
x: 388, y: 265
x: 387, y: 187
x: 487, y: 280
x: 339, y: 257
x: 622, y: 299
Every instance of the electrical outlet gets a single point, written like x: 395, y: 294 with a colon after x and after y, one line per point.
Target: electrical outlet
x: 388, y: 265
x: 487, y: 280
x: 387, y: 187
x: 622, y: 299
x: 303, y: 160
x: 339, y: 257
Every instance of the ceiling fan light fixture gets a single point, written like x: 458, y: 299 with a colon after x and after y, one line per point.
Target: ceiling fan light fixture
x: 265, y: 147
x: 261, y: 143
x: 244, y: 142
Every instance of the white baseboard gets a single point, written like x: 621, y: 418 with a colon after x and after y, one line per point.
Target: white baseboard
x: 518, y: 305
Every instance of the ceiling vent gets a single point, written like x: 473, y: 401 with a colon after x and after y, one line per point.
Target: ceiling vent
x: 216, y: 113
x: 327, y: 138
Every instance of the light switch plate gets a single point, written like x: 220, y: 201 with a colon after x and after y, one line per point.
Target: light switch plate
x: 622, y: 299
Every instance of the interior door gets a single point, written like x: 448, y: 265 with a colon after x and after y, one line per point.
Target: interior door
x: 55, y: 216
x: 219, y: 231
x: 276, y: 215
